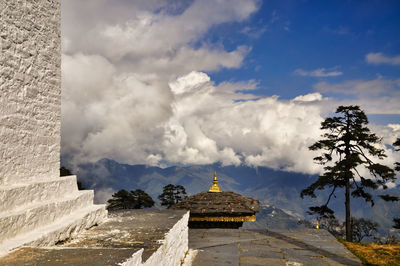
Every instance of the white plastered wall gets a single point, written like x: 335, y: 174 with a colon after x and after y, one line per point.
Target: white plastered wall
x: 30, y: 90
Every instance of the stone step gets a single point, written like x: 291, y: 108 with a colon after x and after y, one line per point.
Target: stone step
x: 14, y: 197
x: 64, y: 228
x: 40, y: 214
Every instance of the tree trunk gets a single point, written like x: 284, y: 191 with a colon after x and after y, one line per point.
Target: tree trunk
x: 349, y: 231
x: 349, y: 235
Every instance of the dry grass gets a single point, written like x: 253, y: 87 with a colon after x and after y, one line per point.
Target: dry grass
x: 375, y: 254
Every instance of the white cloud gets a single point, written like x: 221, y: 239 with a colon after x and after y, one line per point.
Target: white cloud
x: 309, y: 97
x: 196, y: 122
x: 149, y: 38
x: 320, y: 72
x: 378, y: 96
x: 133, y: 91
x: 379, y: 58
x: 189, y: 82
x: 208, y: 126
x: 395, y: 127
x: 118, y: 60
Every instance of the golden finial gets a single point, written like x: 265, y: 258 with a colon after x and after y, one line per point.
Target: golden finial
x: 215, y: 187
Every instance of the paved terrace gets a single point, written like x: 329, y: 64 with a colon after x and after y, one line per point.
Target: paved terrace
x: 129, y: 231
x: 110, y: 243
x: 263, y: 247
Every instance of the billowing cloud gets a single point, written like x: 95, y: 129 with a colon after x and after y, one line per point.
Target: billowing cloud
x: 160, y: 37
x: 379, y: 58
x: 117, y: 63
x: 134, y: 90
x: 320, y: 72
x: 191, y: 122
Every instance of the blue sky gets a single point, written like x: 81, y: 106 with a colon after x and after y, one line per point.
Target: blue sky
x: 335, y: 35
x: 230, y: 81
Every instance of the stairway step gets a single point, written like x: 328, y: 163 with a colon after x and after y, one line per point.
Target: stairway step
x: 24, y: 220
x: 18, y: 196
x: 64, y: 228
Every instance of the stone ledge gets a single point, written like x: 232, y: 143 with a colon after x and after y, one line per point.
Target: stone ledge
x: 62, y: 229
x: 135, y: 237
x: 43, y: 213
x: 20, y: 195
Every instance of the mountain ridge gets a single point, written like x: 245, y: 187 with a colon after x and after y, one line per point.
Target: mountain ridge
x: 269, y: 186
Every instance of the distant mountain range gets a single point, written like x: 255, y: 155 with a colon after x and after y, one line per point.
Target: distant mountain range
x: 278, y: 191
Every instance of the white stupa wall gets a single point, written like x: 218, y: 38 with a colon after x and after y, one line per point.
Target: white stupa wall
x: 37, y: 206
x: 30, y: 90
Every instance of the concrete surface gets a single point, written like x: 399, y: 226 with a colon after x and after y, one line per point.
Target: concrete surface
x: 110, y: 243
x: 262, y: 247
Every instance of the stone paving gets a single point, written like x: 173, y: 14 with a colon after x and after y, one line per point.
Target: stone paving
x: 126, y: 232
x: 268, y: 247
x: 110, y: 243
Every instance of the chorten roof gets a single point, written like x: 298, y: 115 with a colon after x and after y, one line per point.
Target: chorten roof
x: 222, y: 203
x: 218, y: 205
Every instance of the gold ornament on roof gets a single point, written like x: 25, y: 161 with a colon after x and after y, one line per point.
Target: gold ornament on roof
x: 215, y: 187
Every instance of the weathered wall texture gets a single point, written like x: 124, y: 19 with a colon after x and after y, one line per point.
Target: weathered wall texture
x: 37, y: 206
x: 172, y: 251
x: 29, y: 90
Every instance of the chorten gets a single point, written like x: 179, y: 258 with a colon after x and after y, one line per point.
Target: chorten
x: 219, y: 209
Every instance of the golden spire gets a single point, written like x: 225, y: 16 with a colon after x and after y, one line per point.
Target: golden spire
x: 215, y: 187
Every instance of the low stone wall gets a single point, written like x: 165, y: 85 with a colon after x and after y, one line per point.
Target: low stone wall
x: 173, y: 248
x: 129, y: 237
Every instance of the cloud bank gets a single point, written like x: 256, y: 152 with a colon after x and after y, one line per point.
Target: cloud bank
x: 134, y: 89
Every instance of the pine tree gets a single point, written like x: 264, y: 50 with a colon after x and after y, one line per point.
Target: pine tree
x: 136, y: 199
x: 348, y: 145
x: 142, y: 199
x: 396, y: 144
x: 121, y: 200
x: 171, y: 195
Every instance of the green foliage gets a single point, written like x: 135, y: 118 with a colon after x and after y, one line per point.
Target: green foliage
x: 171, y: 195
x: 346, y: 146
x: 136, y: 199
